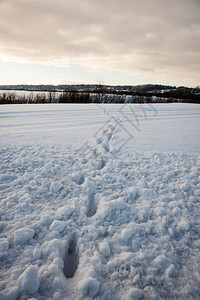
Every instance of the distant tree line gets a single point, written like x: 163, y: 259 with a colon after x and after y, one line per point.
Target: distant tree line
x: 100, y: 95
x: 10, y: 97
x: 87, y: 87
x: 145, y: 88
x: 74, y: 97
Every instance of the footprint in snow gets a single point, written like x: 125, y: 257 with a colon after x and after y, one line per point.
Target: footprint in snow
x: 71, y: 257
x: 92, y: 206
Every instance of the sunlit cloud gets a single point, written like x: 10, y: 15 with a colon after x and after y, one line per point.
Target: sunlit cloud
x: 141, y: 37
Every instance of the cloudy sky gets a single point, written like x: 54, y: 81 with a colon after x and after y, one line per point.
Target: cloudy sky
x: 91, y: 41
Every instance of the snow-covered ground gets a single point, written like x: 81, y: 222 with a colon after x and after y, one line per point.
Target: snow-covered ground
x: 100, y: 201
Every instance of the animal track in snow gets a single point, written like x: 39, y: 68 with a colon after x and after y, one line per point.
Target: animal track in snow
x: 92, y: 206
x: 102, y: 164
x: 105, y: 146
x: 71, y: 257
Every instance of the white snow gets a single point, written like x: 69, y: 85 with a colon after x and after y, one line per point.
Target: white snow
x: 37, y: 253
x: 135, y: 293
x: 126, y: 233
x: 29, y: 281
x: 57, y: 226
x: 99, y: 201
x: 78, y: 178
x: 23, y: 235
x: 64, y: 211
x: 89, y: 287
x: 4, y: 245
x: 55, y: 187
x: 9, y: 294
x: 104, y: 248
x: 171, y: 271
x: 161, y: 127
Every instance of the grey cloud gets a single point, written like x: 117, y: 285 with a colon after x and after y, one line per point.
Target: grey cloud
x: 141, y: 36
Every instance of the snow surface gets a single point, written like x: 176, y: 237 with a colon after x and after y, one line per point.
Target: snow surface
x: 100, y: 202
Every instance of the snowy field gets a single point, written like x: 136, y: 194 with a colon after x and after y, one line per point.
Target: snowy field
x: 100, y: 202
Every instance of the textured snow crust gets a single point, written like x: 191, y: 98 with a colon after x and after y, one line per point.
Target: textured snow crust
x: 90, y: 222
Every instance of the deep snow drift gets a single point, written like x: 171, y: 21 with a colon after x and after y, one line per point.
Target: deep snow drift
x: 100, y: 202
